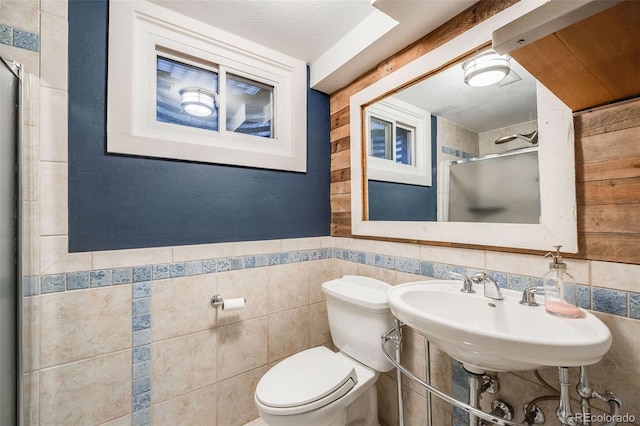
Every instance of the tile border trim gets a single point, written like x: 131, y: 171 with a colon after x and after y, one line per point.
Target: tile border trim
x: 610, y: 301
x: 16, y: 37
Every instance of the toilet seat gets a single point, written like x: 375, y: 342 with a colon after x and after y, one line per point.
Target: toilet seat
x: 306, y: 381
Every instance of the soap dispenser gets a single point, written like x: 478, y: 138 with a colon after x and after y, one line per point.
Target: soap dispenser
x: 559, y: 288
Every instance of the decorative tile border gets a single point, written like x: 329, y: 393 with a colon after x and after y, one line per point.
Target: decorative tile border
x: 460, y: 391
x: 19, y: 38
x: 456, y: 152
x: 108, y: 277
x: 141, y: 353
x: 616, y: 302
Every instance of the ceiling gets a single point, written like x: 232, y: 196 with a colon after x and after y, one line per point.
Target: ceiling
x: 339, y: 39
x: 479, y: 109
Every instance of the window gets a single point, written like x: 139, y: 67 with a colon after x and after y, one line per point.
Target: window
x: 383, y: 132
x: 249, y: 107
x: 182, y: 89
x: 185, y: 95
x: 398, y: 143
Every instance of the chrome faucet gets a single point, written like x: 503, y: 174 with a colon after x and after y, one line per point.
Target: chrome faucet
x: 491, y: 288
x: 466, y: 282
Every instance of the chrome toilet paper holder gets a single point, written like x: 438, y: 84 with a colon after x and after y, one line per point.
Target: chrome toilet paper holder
x: 218, y: 301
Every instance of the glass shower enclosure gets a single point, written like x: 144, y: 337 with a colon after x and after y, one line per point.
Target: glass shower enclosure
x: 10, y: 248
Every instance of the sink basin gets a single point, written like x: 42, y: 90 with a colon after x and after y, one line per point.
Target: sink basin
x: 497, y: 335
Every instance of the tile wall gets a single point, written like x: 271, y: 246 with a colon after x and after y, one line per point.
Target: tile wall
x: 127, y: 343
x: 128, y: 337
x: 165, y: 353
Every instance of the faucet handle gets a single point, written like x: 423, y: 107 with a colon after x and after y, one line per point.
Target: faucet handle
x: 479, y: 277
x: 529, y: 295
x: 466, y: 286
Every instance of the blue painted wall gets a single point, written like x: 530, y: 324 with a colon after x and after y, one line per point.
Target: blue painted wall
x: 396, y: 201
x: 118, y: 202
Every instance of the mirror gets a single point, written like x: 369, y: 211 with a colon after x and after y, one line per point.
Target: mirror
x: 397, y: 105
x: 459, y: 159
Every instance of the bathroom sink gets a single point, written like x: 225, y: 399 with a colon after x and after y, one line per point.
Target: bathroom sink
x: 497, y: 335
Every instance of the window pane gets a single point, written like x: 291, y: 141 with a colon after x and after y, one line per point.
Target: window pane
x: 249, y: 107
x: 185, y: 95
x: 380, y: 138
x: 404, y: 138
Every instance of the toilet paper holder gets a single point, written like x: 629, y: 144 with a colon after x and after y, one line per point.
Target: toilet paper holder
x: 218, y: 301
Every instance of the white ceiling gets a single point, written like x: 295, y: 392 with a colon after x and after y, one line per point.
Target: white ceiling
x: 479, y: 109
x: 340, y: 39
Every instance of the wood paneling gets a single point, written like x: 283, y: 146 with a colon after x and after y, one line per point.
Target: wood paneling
x: 590, y: 63
x: 610, y: 219
x: 608, y: 182
x: 607, y: 157
x: 622, y: 248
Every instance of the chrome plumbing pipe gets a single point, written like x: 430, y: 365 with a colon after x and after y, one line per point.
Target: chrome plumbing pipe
x: 430, y: 389
x: 474, y: 396
x: 398, y: 341
x: 585, y: 392
x: 427, y: 375
x: 563, y: 412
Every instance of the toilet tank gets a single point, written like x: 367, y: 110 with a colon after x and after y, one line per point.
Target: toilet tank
x: 358, y: 315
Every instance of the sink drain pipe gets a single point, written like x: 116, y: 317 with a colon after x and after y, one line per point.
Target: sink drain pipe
x: 389, y: 335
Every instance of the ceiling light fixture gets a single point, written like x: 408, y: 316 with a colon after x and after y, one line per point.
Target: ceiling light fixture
x: 486, y: 68
x: 198, y: 102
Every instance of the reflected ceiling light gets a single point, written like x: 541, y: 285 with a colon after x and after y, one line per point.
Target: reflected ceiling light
x: 198, y: 102
x: 486, y: 68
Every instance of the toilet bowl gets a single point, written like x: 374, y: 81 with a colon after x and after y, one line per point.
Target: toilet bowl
x: 314, y: 388
x: 319, y: 387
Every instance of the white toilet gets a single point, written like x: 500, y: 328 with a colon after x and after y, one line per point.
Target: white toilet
x: 319, y: 387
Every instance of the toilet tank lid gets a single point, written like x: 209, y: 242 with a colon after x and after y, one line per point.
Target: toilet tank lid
x: 365, y: 292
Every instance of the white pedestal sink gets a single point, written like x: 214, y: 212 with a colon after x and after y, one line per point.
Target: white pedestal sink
x: 497, y: 335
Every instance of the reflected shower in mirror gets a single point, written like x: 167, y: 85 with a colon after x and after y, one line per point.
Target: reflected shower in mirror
x: 443, y: 150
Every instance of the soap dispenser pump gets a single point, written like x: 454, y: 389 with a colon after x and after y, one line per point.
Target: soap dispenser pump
x: 559, y: 288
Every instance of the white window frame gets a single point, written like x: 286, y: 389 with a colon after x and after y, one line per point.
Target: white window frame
x: 405, y: 115
x: 139, y: 32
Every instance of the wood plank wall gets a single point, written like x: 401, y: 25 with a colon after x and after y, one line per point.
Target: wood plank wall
x: 607, y: 156
x: 608, y: 182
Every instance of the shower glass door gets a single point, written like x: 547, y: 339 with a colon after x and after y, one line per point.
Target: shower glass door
x: 9, y: 285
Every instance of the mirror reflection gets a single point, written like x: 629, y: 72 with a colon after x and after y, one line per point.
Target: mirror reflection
x: 454, y: 147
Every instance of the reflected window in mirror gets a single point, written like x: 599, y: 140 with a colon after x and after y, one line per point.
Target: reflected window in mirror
x: 397, y: 139
x: 383, y: 132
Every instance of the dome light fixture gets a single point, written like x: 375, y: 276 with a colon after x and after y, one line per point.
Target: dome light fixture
x: 198, y: 102
x: 486, y: 69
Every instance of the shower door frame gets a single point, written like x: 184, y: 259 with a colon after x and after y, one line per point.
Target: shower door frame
x: 18, y: 71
